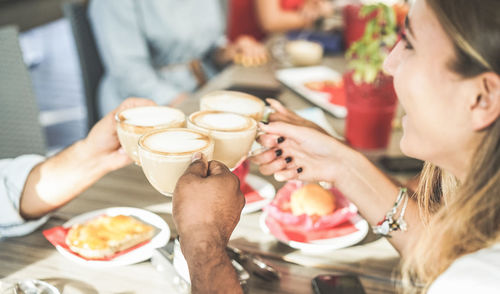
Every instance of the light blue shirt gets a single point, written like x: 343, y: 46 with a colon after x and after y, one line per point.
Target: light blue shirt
x: 145, y: 46
x: 13, y: 175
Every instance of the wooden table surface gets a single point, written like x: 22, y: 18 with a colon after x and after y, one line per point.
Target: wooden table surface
x: 33, y: 256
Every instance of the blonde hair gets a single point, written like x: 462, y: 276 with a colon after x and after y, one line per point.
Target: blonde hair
x: 460, y: 218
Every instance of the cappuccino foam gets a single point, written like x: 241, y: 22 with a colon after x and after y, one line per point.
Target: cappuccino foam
x: 231, y: 103
x: 222, y: 121
x: 166, y: 153
x: 151, y: 116
x: 175, y: 142
x: 233, y: 134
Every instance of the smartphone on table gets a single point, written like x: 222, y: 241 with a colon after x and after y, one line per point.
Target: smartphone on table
x: 337, y: 284
x: 401, y: 164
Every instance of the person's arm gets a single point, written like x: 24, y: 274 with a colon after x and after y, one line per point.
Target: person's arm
x: 62, y: 177
x: 207, y: 205
x: 209, y: 266
x: 124, y: 51
x: 273, y: 18
x: 323, y: 158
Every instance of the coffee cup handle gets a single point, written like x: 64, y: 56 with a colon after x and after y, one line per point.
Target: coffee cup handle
x: 257, y: 151
x: 267, y: 112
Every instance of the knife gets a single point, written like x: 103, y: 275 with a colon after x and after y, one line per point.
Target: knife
x: 254, y: 264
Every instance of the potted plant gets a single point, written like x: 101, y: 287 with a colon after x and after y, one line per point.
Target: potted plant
x: 371, y: 100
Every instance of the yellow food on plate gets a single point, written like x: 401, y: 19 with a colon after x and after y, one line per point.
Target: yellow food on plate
x: 312, y: 199
x: 321, y: 85
x: 106, y: 235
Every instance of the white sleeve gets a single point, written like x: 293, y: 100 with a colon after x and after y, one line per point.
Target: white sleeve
x: 478, y: 272
x: 13, y: 175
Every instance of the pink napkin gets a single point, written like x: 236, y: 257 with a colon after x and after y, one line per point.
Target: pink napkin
x: 288, y: 227
x: 241, y: 171
x: 250, y: 194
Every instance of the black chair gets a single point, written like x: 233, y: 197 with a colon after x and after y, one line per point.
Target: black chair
x: 90, y: 62
x: 20, y: 131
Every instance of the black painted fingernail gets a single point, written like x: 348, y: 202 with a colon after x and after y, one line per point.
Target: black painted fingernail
x: 278, y: 152
x: 299, y: 170
x: 288, y: 159
x: 280, y: 140
x: 265, y: 122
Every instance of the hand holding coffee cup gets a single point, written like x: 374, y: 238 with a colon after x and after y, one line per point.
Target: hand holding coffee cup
x: 132, y: 123
x: 220, y: 190
x: 166, y: 153
x: 233, y: 133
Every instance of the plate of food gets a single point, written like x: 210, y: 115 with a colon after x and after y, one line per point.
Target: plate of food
x: 320, y: 85
x: 110, y: 237
x: 313, y: 219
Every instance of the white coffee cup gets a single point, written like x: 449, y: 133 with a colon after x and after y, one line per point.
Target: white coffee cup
x: 166, y: 153
x: 233, y: 101
x: 233, y: 133
x: 304, y: 53
x: 132, y: 123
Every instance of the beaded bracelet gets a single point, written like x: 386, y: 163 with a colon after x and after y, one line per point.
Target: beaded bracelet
x: 389, y: 224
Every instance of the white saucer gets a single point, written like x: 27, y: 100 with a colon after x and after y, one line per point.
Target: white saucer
x: 324, y: 245
x: 137, y: 255
x: 264, y: 188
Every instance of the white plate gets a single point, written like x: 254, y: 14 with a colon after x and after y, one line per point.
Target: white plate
x: 137, y: 255
x: 295, y: 78
x: 324, y: 245
x: 264, y: 188
x: 317, y: 116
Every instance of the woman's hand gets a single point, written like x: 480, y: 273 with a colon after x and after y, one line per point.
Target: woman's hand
x: 283, y: 114
x: 248, y: 52
x: 301, y: 153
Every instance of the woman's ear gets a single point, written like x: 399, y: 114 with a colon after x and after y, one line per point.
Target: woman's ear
x: 486, y: 108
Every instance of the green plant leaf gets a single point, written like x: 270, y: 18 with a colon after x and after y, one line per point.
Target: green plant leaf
x: 389, y: 16
x: 367, y: 9
x: 366, y: 56
x: 370, y: 74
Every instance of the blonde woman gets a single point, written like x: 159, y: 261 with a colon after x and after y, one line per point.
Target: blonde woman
x: 447, y: 76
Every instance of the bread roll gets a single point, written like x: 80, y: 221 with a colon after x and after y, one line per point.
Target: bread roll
x: 312, y: 199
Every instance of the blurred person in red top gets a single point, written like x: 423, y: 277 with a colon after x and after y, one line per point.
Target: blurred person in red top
x: 257, y: 18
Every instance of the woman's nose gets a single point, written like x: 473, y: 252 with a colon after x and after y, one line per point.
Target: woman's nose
x: 392, y: 60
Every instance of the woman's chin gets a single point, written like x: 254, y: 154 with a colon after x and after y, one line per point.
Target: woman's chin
x: 406, y: 147
x: 412, y: 148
